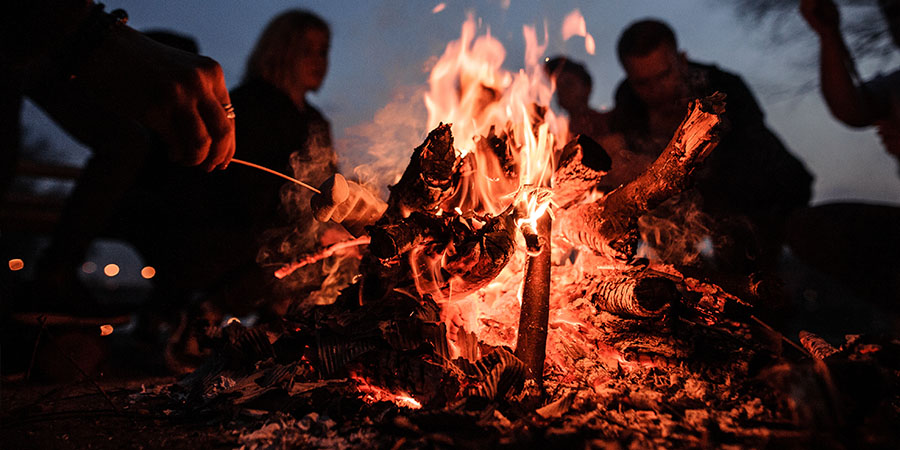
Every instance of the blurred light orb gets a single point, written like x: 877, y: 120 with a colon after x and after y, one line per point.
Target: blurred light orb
x: 89, y: 267
x: 148, y: 272
x: 111, y: 270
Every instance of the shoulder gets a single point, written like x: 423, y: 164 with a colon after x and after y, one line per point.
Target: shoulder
x: 718, y: 78
x: 258, y: 94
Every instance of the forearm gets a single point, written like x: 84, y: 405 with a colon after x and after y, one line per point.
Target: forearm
x: 839, y: 82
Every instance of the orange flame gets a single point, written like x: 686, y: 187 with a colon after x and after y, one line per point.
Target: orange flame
x: 469, y: 89
x: 574, y: 25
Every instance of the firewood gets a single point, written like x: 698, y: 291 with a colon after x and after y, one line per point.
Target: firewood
x: 583, y: 163
x: 429, y: 178
x: 610, y: 226
x: 531, y: 343
x: 633, y: 295
x: 819, y: 348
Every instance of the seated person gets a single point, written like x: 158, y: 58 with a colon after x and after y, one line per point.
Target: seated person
x: 573, y: 90
x: 745, y: 188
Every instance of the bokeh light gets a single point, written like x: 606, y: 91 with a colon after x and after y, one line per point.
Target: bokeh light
x: 111, y: 270
x: 89, y: 267
x: 148, y: 272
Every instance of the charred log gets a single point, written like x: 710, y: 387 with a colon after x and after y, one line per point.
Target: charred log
x: 531, y: 343
x: 493, y: 376
x: 819, y: 348
x: 429, y: 178
x: 635, y: 295
x: 583, y: 163
x: 610, y: 226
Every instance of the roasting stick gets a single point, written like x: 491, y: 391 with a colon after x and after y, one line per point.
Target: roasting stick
x: 274, y: 172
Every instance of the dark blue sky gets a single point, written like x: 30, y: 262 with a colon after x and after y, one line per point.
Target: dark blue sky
x: 381, y: 49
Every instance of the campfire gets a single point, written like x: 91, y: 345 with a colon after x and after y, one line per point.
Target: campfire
x: 501, y: 293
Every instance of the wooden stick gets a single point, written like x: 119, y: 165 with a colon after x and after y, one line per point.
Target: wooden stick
x: 531, y: 343
x: 276, y: 173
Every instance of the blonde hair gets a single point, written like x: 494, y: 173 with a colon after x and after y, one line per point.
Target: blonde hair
x: 273, y: 58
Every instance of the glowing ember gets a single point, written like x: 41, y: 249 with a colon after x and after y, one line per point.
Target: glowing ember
x: 438, y: 8
x: 16, y: 264
x: 374, y: 394
x: 106, y: 330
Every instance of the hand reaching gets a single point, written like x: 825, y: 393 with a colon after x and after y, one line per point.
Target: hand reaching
x: 179, y: 95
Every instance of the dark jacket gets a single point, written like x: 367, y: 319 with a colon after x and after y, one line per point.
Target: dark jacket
x: 750, y: 171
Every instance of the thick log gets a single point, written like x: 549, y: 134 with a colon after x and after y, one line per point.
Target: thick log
x: 531, y: 343
x: 610, y: 225
x: 633, y: 295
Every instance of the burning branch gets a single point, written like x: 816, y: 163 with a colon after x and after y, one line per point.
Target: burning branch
x: 610, y: 226
x: 315, y: 257
x: 531, y: 343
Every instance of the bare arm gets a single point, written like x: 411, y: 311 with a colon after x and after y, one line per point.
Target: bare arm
x: 843, y: 93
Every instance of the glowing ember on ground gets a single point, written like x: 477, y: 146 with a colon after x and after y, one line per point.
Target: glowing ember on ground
x: 16, y: 264
x: 375, y: 394
x: 106, y: 330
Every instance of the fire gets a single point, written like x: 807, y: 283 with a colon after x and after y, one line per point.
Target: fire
x: 373, y: 394
x: 469, y: 89
x: 574, y: 25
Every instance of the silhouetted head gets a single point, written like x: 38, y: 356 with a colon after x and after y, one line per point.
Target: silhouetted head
x: 292, y: 53
x: 573, y: 83
x: 890, y: 9
x: 655, y: 69
x: 174, y: 39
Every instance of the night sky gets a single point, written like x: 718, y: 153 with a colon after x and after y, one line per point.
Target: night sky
x: 382, y: 49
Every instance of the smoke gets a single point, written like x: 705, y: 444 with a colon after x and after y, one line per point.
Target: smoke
x: 376, y: 153
x: 678, y: 232
x: 320, y: 282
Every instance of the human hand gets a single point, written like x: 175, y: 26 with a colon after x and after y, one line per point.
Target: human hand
x: 177, y: 94
x: 821, y: 15
x: 347, y: 203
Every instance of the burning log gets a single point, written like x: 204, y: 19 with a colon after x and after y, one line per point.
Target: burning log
x: 610, y: 226
x: 429, y: 178
x: 531, y: 343
x: 634, y: 295
x: 445, y: 254
x: 583, y: 163
x: 819, y: 348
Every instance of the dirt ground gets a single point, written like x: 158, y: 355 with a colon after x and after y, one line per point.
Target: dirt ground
x: 79, y: 416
